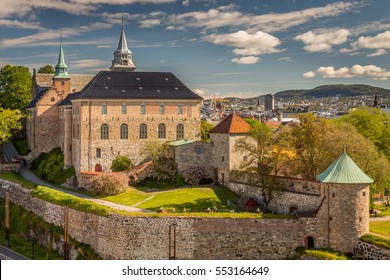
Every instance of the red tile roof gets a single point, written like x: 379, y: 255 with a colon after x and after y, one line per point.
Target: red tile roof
x: 232, y: 124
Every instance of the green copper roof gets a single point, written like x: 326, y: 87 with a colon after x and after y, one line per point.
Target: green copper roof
x: 344, y: 171
x: 61, y: 68
x: 181, y: 142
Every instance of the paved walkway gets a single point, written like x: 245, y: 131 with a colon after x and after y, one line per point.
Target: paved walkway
x: 7, y: 254
x: 30, y: 176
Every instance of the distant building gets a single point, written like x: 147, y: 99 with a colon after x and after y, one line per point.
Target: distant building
x: 269, y: 102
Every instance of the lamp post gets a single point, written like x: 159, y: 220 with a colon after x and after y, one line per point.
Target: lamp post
x: 6, y: 216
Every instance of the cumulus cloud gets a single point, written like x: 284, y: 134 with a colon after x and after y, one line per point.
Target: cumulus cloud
x: 186, y: 3
x: 373, y: 71
x: 286, y: 59
x: 246, y: 60
x: 378, y: 53
x: 380, y: 41
x: 148, y: 23
x: 323, y: 41
x: 87, y: 63
x: 227, y: 16
x: 247, y: 44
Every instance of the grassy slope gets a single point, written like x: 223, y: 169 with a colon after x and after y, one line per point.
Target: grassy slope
x: 129, y: 198
x: 380, y: 227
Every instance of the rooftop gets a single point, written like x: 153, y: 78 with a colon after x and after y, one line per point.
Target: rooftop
x: 344, y: 171
x: 232, y: 124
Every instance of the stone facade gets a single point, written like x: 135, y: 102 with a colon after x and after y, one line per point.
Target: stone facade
x: 367, y: 251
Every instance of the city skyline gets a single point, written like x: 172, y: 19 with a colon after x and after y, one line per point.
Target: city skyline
x: 227, y: 48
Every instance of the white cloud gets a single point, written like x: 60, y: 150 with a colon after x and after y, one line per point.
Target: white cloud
x: 356, y: 71
x: 44, y: 36
x: 78, y: 7
x: 87, y: 63
x: 20, y: 24
x: 316, y: 41
x: 378, y: 53
x: 186, y: 3
x: 227, y: 16
x: 286, y: 59
x: 199, y: 91
x: 380, y: 41
x: 246, y: 60
x: 148, y: 23
x: 309, y: 74
x: 247, y: 44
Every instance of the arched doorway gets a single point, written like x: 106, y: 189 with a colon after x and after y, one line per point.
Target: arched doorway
x: 292, y: 209
x: 309, y: 242
x: 98, y: 168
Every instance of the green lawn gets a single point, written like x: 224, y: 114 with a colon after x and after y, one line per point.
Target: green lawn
x: 380, y: 227
x: 384, y: 210
x: 193, y: 199
x: 130, y: 197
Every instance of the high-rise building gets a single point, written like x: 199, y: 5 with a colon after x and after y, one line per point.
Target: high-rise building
x: 269, y: 102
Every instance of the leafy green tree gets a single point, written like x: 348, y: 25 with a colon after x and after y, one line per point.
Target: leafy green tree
x: 15, y: 87
x: 155, y: 151
x: 47, y: 69
x: 121, y: 163
x: 205, y: 128
x: 9, y: 123
x: 373, y: 124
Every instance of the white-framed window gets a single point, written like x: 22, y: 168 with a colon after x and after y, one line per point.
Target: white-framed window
x: 180, y: 131
x: 124, y: 131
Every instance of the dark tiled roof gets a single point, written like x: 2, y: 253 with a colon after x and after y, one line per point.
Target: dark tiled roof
x: 136, y: 85
x: 41, y: 92
x: 232, y: 124
x: 67, y: 100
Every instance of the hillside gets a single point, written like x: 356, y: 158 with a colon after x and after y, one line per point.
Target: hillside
x: 333, y: 90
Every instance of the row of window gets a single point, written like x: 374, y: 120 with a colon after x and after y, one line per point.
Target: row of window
x: 143, y: 109
x: 143, y: 131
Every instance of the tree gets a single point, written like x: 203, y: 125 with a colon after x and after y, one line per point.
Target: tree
x: 154, y: 151
x: 205, y: 128
x: 15, y: 87
x: 47, y: 69
x: 121, y: 163
x: 373, y: 124
x: 267, y: 153
x: 9, y: 123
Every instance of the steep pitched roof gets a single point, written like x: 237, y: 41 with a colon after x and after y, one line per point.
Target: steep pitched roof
x: 78, y: 81
x: 34, y: 101
x: 136, y: 85
x: 344, y: 171
x: 232, y: 124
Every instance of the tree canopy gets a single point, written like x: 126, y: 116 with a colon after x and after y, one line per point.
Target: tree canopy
x: 15, y: 87
x: 121, y: 163
x: 205, y: 128
x: 47, y: 69
x: 9, y: 123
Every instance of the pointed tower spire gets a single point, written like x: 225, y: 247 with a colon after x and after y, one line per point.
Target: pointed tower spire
x: 123, y: 57
x: 61, y: 70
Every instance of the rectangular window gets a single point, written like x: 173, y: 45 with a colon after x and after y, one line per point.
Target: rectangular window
x: 162, y: 110
x: 124, y: 109
x: 78, y: 131
x: 104, y: 109
x: 222, y: 159
x: 62, y: 83
x: 98, y: 153
x: 333, y: 195
x: 180, y: 109
x: 364, y: 193
x: 245, y: 158
x: 143, y: 109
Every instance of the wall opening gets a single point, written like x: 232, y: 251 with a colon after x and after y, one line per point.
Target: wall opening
x: 309, y: 242
x: 292, y: 209
x: 98, y: 168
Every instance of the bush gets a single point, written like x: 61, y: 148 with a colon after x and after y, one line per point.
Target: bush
x: 193, y: 174
x: 121, y: 163
x: 108, y: 184
x: 50, y: 167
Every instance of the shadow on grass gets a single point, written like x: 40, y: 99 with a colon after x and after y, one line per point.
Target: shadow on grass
x: 200, y: 205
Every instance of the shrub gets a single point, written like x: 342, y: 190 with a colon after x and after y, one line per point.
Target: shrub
x: 50, y: 167
x: 193, y: 174
x: 108, y: 184
x: 121, y: 163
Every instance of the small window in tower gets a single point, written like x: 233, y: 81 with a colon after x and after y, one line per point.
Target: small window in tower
x: 222, y: 159
x: 52, y: 99
x: 98, y: 153
x: 330, y: 218
x: 245, y: 158
x: 62, y: 83
x: 364, y: 193
x: 360, y: 219
x: 333, y: 195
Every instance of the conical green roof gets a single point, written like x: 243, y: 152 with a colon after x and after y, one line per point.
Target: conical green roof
x: 344, y: 171
x: 61, y: 70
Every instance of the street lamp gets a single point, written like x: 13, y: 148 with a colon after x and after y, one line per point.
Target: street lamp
x: 6, y: 216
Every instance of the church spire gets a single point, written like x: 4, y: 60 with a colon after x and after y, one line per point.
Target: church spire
x: 61, y: 70
x: 123, y: 57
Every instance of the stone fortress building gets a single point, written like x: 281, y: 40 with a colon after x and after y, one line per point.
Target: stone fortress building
x: 113, y: 113
x: 95, y: 118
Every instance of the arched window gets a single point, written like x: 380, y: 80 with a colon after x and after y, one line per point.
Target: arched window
x: 180, y: 131
x: 124, y: 131
x: 104, y: 132
x: 161, y: 131
x: 143, y: 131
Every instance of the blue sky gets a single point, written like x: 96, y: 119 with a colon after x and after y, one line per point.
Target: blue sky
x: 229, y: 48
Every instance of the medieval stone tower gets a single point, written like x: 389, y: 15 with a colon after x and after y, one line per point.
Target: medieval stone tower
x: 346, y: 201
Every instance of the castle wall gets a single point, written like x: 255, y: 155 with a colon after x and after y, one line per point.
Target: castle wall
x: 91, y: 119
x: 125, y: 237
x: 221, y: 155
x: 365, y: 251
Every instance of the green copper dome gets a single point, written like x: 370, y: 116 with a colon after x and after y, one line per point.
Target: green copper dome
x: 61, y: 71
x: 344, y: 171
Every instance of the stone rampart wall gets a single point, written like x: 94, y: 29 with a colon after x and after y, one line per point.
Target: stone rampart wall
x: 367, y: 251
